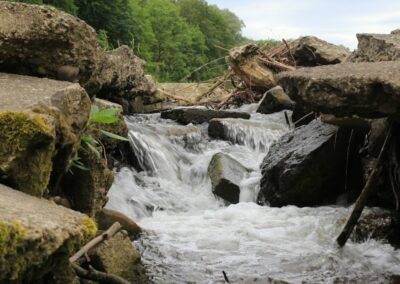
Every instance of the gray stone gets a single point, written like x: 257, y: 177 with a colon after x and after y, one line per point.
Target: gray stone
x: 37, y: 238
x: 122, y: 80
x: 368, y: 90
x: 305, y: 167
x: 377, y: 47
x: 275, y: 100
x: 120, y: 257
x: 312, y: 51
x: 43, y: 41
x: 199, y: 116
x: 226, y: 174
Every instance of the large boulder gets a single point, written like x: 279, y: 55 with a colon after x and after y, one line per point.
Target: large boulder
x: 275, y: 100
x: 37, y: 238
x: 312, y: 51
x: 41, y: 121
x: 226, y: 174
x: 120, y: 257
x: 199, y: 116
x: 377, y: 47
x: 46, y: 42
x: 368, y: 90
x: 121, y: 79
x: 305, y: 167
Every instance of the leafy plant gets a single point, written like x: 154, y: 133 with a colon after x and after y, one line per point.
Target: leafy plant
x: 89, y: 142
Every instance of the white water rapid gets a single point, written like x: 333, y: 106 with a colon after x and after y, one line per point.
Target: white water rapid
x: 191, y: 237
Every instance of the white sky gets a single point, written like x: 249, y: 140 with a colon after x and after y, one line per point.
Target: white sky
x: 336, y: 21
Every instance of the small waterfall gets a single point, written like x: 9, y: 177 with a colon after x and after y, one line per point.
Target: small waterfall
x: 191, y: 236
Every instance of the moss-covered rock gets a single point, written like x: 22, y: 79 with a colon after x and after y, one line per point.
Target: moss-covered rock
x: 26, y: 149
x: 37, y: 238
x: 41, y: 121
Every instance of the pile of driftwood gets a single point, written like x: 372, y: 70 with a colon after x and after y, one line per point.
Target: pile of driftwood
x: 252, y: 71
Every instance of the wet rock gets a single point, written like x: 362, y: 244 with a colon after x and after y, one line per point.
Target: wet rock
x: 106, y: 217
x: 379, y: 225
x: 305, y: 167
x: 226, y: 174
x: 377, y: 47
x: 368, y: 90
x: 275, y: 100
x: 46, y: 42
x: 41, y: 121
x: 312, y: 51
x: 87, y: 189
x: 349, y: 122
x: 198, y: 116
x: 121, y: 79
x: 254, y: 134
x: 120, y: 257
x: 37, y: 238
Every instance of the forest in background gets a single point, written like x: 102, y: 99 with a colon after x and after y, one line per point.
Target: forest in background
x: 174, y: 37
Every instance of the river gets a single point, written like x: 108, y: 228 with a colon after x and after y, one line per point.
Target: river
x: 191, y: 236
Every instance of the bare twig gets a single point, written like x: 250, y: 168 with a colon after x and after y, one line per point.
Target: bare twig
x: 98, y: 276
x: 290, y: 51
x: 219, y: 82
x: 97, y: 240
x: 201, y: 67
x: 303, y: 118
x: 365, y: 194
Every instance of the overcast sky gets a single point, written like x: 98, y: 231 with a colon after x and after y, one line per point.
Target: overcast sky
x: 336, y: 21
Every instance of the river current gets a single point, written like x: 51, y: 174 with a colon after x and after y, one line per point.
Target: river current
x: 192, y: 237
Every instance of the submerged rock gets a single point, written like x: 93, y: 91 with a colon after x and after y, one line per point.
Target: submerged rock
x: 41, y: 121
x: 312, y: 51
x: 226, y: 174
x: 46, y: 42
x: 275, y: 100
x: 305, y: 167
x: 120, y: 257
x: 198, y: 116
x: 37, y: 238
x: 377, y: 47
x: 368, y: 90
x: 379, y: 225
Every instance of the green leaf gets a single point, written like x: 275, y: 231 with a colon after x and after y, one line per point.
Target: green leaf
x: 93, y: 149
x: 87, y: 138
x: 104, y: 116
x: 81, y: 167
x: 113, y: 135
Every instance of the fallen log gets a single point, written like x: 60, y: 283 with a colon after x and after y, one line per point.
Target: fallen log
x: 365, y: 194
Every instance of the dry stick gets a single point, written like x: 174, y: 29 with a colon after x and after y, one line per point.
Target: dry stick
x: 274, y: 63
x: 363, y: 198
x: 97, y: 240
x: 290, y: 51
x: 174, y: 97
x: 201, y: 67
x: 216, y: 85
x: 100, y: 277
x: 304, y: 117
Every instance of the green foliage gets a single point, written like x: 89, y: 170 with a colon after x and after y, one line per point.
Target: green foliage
x: 102, y: 39
x: 88, y: 140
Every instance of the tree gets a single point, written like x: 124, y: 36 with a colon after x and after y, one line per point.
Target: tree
x: 115, y: 17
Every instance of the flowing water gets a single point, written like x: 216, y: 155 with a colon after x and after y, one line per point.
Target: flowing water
x: 191, y: 236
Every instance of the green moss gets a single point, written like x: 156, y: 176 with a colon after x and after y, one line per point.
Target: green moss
x: 12, y: 236
x: 89, y: 227
x: 26, y: 149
